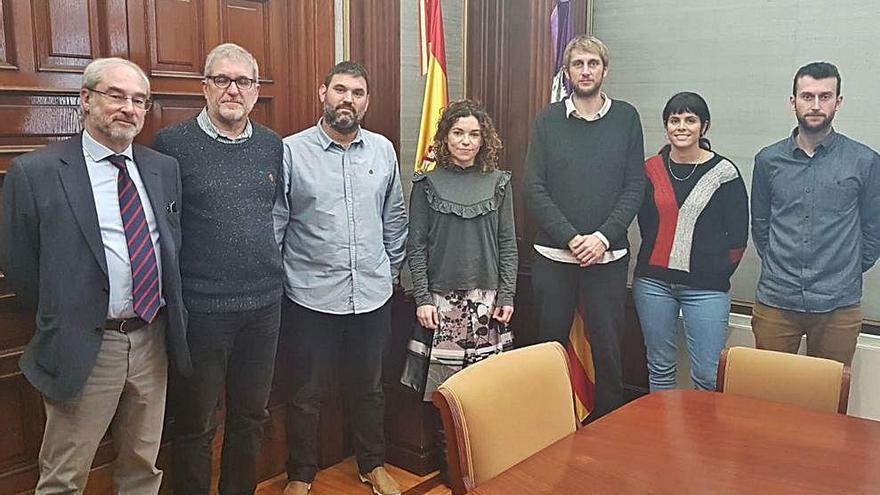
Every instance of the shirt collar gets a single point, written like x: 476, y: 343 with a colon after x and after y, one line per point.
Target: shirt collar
x: 828, y: 142
x: 211, y: 130
x: 327, y: 141
x: 571, y: 110
x: 98, y: 151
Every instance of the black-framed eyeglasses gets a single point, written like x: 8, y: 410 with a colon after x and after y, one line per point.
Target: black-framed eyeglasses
x: 243, y: 83
x: 141, y: 102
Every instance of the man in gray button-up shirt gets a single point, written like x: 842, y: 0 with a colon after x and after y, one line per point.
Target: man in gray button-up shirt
x: 343, y: 232
x: 816, y: 226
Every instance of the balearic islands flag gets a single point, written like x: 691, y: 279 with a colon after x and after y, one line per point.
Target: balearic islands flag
x: 433, y: 63
x: 580, y: 356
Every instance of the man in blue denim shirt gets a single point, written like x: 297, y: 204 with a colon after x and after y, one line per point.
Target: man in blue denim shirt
x: 816, y: 226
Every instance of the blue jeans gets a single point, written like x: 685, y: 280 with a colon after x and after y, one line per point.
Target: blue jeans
x: 706, y: 314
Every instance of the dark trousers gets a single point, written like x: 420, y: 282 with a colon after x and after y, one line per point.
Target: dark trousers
x: 236, y: 349
x: 601, y: 289
x: 321, y: 346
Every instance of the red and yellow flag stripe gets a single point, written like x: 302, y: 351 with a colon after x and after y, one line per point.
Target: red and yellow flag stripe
x: 433, y: 64
x: 580, y: 362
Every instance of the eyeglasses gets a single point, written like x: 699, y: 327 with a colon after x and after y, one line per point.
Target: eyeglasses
x: 223, y: 82
x: 139, y: 102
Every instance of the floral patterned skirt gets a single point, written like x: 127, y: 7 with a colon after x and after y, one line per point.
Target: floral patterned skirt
x: 467, y: 334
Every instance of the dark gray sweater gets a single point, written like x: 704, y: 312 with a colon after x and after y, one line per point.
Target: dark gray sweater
x: 462, y: 234
x: 229, y: 259
x: 585, y: 176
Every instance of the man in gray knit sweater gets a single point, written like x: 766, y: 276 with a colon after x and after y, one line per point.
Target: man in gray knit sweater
x: 231, y: 274
x: 584, y: 183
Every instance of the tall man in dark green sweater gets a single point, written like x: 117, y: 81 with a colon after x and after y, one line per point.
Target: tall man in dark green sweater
x: 584, y: 183
x: 230, y: 265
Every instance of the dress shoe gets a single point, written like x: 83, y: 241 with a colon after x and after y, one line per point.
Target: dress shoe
x: 381, y: 481
x: 297, y: 488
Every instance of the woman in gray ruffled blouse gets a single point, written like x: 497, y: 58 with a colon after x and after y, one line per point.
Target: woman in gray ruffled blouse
x: 462, y: 245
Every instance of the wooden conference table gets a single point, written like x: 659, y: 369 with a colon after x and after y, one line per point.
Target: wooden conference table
x: 689, y: 442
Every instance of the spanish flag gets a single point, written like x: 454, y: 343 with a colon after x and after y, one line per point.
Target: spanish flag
x: 580, y: 355
x: 580, y: 362
x: 433, y: 63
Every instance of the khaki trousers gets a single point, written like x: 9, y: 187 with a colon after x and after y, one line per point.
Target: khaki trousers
x: 127, y: 386
x: 831, y: 335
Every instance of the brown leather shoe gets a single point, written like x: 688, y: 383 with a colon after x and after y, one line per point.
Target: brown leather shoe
x: 297, y: 488
x: 381, y: 481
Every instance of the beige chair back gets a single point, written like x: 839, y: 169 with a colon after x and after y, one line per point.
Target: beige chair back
x: 809, y: 382
x: 504, y: 409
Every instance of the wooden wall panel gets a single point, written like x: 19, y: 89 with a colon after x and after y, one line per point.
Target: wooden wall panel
x: 246, y: 22
x: 7, y: 50
x: 114, y: 32
x: 18, y: 326
x: 21, y: 47
x: 375, y: 43
x: 177, y: 37
x: 66, y: 34
x: 168, y: 110
x: 31, y: 120
x: 22, y: 419
x: 307, y: 68
x: 38, y: 116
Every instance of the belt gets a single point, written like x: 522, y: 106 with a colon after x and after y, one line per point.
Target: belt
x: 126, y: 325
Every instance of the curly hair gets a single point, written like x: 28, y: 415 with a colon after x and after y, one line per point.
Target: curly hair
x: 490, y: 148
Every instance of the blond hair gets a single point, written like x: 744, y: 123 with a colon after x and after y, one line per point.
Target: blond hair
x: 589, y: 44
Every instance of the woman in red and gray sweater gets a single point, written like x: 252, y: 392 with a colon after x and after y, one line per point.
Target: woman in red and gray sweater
x: 694, y: 227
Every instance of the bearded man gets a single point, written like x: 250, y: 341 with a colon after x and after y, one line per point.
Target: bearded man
x: 344, y: 231
x: 816, y: 226
x: 583, y: 185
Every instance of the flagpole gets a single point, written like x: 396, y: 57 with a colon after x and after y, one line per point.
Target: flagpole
x: 590, y: 6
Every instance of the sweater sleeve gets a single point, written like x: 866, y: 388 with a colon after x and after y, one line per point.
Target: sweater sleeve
x: 508, y: 259
x: 550, y: 218
x: 417, y: 242
x: 736, y: 220
x: 615, y: 226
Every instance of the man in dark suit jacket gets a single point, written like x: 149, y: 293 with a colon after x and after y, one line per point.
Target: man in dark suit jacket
x: 90, y: 238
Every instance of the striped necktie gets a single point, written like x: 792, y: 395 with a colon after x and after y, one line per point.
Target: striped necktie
x: 144, y: 269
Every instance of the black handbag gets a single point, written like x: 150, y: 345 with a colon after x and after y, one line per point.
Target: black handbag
x: 418, y: 356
